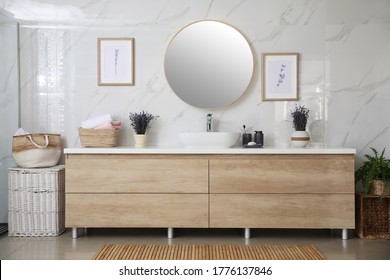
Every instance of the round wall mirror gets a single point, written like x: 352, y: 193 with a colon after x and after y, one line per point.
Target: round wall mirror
x: 208, y: 64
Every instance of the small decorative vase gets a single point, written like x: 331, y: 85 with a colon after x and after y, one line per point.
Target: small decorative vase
x: 378, y: 188
x: 300, y: 138
x: 140, y: 140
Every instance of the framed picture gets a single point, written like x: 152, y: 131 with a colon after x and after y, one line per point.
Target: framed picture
x: 115, y: 61
x: 279, y: 76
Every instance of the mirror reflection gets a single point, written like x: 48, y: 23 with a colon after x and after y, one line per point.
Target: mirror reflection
x: 209, y: 64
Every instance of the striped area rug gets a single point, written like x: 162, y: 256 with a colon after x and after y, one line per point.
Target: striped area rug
x: 208, y: 252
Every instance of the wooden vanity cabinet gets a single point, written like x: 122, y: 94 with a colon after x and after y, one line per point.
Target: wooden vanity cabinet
x: 282, y: 191
x: 136, y: 191
x: 209, y: 190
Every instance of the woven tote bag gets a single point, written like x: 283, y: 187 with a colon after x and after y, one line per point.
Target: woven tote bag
x: 37, y: 150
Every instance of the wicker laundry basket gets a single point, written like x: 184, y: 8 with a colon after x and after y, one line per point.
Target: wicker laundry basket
x: 36, y: 201
x: 372, y: 216
x: 98, y: 137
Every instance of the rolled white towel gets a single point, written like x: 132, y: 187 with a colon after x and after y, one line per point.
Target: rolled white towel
x: 96, y: 121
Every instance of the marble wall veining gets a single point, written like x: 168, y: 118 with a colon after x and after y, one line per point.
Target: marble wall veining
x: 344, y: 48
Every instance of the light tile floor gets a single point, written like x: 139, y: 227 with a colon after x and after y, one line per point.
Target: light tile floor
x: 85, y: 247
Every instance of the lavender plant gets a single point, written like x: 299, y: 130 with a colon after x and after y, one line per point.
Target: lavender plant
x: 300, y: 115
x: 141, y: 121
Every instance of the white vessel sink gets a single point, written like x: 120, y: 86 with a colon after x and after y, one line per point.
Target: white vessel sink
x: 209, y: 139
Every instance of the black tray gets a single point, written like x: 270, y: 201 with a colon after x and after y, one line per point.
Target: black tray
x: 253, y: 146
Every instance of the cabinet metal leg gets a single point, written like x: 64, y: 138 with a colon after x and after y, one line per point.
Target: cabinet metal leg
x: 74, y: 233
x: 344, y: 234
x: 170, y: 233
x: 247, y: 234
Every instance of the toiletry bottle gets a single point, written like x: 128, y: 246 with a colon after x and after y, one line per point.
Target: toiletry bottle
x: 259, y: 138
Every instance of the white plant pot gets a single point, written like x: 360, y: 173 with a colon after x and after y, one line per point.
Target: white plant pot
x: 140, y: 140
x: 300, y: 138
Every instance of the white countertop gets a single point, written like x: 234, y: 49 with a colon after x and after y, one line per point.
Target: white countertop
x: 203, y: 150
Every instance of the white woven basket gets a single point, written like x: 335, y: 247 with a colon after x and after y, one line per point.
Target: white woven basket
x: 36, y: 201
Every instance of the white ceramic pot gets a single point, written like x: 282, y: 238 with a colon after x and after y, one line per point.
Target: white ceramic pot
x: 300, y: 138
x: 140, y: 140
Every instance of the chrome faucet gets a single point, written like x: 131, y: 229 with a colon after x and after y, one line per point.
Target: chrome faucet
x: 209, y: 121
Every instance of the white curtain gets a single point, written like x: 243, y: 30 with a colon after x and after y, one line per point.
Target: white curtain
x: 9, y: 104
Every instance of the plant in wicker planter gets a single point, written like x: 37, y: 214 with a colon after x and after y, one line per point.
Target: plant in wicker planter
x: 141, y: 123
x: 374, y: 174
x: 300, y: 115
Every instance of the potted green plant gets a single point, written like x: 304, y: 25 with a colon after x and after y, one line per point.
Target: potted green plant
x: 300, y: 115
x: 141, y: 123
x: 374, y: 174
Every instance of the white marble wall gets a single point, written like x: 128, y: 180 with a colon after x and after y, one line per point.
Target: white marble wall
x: 357, y: 72
x: 344, y: 66
x: 8, y: 105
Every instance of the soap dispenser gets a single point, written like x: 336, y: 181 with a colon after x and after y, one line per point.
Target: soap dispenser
x: 259, y: 138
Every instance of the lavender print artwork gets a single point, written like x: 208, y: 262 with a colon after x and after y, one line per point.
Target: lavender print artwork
x: 115, y: 68
x: 279, y: 76
x: 282, y: 75
x: 116, y: 61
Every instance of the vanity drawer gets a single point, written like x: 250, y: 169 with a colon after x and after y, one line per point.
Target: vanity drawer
x: 283, y: 174
x: 122, y: 174
x: 136, y: 210
x: 282, y: 211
